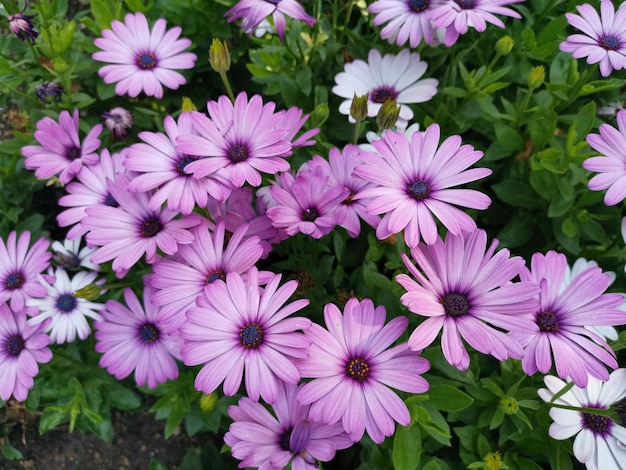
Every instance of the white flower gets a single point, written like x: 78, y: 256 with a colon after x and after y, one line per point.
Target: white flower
x: 601, y: 442
x: 69, y: 255
x: 371, y: 136
x: 392, y: 77
x: 66, y: 310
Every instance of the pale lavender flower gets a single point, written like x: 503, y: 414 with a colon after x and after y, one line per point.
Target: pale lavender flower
x: 61, y: 151
x: 70, y: 255
x: 353, y: 369
x: 604, y: 38
x: 253, y: 12
x: 407, y: 20
x: 464, y: 288
x: 414, y: 178
x: 133, y: 337
x: 22, y: 347
x: 243, y: 327
x: 143, y: 59
x: 23, y: 26
x: 119, y: 122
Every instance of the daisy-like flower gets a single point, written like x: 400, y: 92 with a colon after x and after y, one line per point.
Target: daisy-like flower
x: 371, y: 136
x: 142, y: 59
x: 456, y: 16
x: 414, y: 178
x: 135, y: 338
x: 180, y: 280
x: 407, y: 20
x: 253, y: 12
x: 61, y: 152
x: 353, y: 368
x: 465, y: 288
x: 68, y: 311
x: 70, y: 255
x: 22, y: 347
x: 119, y: 122
x: 161, y: 167
x: 611, y: 165
x: 562, y: 316
x: 240, y: 140
x: 242, y: 326
x: 604, y: 38
x: 600, y: 441
x: 261, y: 439
x: 20, y: 268
x: 392, y: 77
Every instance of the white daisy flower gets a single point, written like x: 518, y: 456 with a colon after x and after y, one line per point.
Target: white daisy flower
x: 67, y: 311
x: 600, y: 442
x: 69, y: 255
x: 371, y: 136
x: 392, y: 77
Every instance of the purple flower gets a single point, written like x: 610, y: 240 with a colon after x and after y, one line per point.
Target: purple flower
x: 61, y: 151
x: 565, y: 310
x: 20, y: 268
x: 270, y: 441
x: 126, y: 232
x: 47, y: 90
x: 243, y: 326
x: 456, y: 16
x: 22, y: 26
x: 407, y: 20
x: 162, y: 167
x: 64, y: 307
x: 119, y: 122
x: 21, y: 347
x: 254, y: 12
x: 612, y: 163
x: 135, y: 338
x: 414, y: 177
x: 604, y: 38
x: 353, y: 370
x: 239, y: 140
x: 465, y: 289
x: 180, y: 280
x: 142, y: 59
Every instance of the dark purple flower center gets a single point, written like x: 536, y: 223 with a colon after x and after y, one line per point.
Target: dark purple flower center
x: 66, y: 303
x: 598, y: 424
x: 418, y: 5
x: 609, y: 43
x: 110, y: 201
x: 15, y: 345
x: 310, y: 214
x: 358, y: 369
x: 149, y: 332
x: 348, y: 200
x: 73, y: 153
x: 183, y: 162
x: 620, y: 409
x: 14, y: 281
x: 215, y: 275
x: 68, y: 261
x: 547, y: 321
x: 455, y: 305
x: 418, y: 190
x: 466, y: 4
x: 383, y: 94
x: 284, y: 440
x: 146, y: 61
x: 150, y: 227
x: 251, y: 335
x: 238, y: 153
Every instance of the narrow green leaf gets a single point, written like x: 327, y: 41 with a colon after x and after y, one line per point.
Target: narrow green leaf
x: 407, y: 448
x: 449, y: 398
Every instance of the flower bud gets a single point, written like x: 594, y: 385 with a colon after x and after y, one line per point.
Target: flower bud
x: 208, y: 402
x: 47, y: 90
x: 505, y: 45
x: 536, y: 76
x: 387, y: 115
x: 358, y: 108
x: 188, y: 105
x: 219, y: 57
x: 90, y: 292
x: 119, y: 122
x: 22, y: 26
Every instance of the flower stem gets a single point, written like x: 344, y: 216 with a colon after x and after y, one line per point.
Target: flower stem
x: 229, y: 90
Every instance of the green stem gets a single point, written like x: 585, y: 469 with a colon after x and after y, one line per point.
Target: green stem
x: 522, y: 109
x: 576, y: 88
x: 229, y: 90
x: 357, y: 131
x: 594, y: 411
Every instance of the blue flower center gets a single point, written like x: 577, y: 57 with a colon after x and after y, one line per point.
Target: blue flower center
x: 146, y: 61
x: 150, y: 227
x: 466, y: 4
x: 215, y: 275
x: 383, y: 94
x: 358, y: 369
x: 455, y: 305
x: 251, y: 335
x: 418, y: 5
x: 66, y: 303
x: 148, y: 332
x: 310, y: 214
x: 73, y: 153
x: 419, y: 190
x: 238, y: 153
x: 547, y: 321
x: 598, y: 424
x: 183, y: 162
x: 609, y: 43
x: 14, y: 281
x: 110, y: 201
x: 15, y: 345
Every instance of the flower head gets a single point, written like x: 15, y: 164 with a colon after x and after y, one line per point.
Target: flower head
x: 604, y: 38
x: 61, y: 151
x: 392, y: 77
x: 23, y: 26
x: 70, y: 255
x: 119, y: 122
x: 414, y: 177
x: 243, y: 327
x: 142, y: 59
x: 463, y: 287
x: 353, y: 368
x: 22, y: 347
x: 253, y: 12
x: 600, y: 442
x: 135, y: 338
x: 47, y: 90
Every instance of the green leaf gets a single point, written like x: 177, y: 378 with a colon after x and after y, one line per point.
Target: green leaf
x: 558, y: 206
x: 508, y: 137
x: 102, y: 14
x: 11, y: 453
x: 51, y: 419
x: 407, y: 448
x: 455, y: 91
x: 432, y: 465
x: 123, y: 398
x: 583, y: 122
x: 593, y: 230
x: 497, y: 418
x: 156, y: 465
x: 516, y: 193
x: 542, y: 126
x: 449, y: 398
x: 570, y: 226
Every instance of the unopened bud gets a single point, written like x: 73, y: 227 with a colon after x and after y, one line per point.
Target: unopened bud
x: 90, y: 292
x: 119, y: 122
x: 387, y: 115
x: 536, y: 76
x: 505, y: 45
x: 188, y: 105
x: 358, y: 108
x: 219, y: 57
